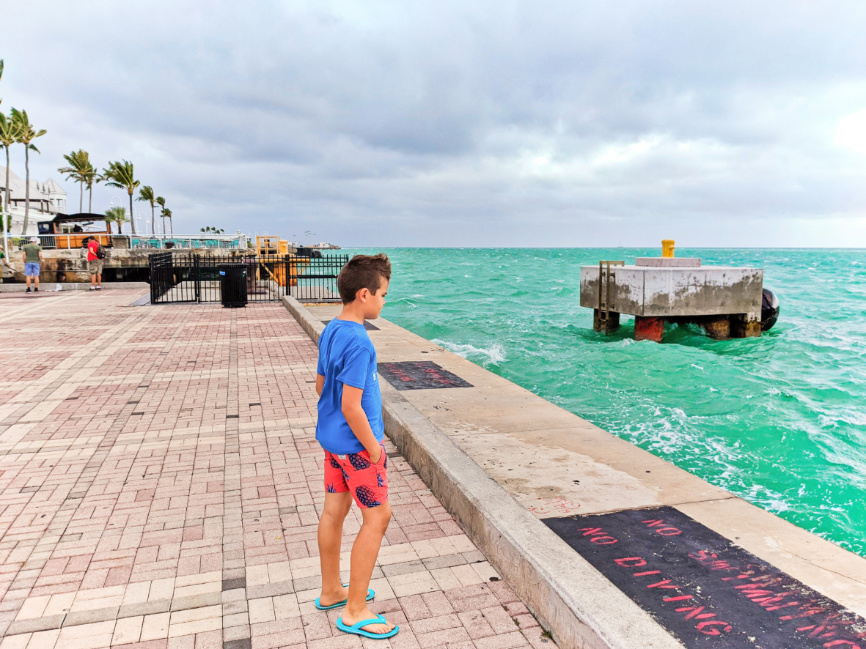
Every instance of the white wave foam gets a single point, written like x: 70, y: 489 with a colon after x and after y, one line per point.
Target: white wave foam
x: 494, y: 354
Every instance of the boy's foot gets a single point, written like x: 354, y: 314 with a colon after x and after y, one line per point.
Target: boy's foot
x: 325, y: 602
x: 99, y: 288
x: 28, y: 290
x: 92, y: 288
x: 332, y: 598
x: 36, y: 290
x: 380, y: 628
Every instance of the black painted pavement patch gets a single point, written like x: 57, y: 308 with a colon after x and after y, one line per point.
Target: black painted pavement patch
x: 420, y: 375
x: 702, y: 588
x: 240, y: 643
x: 237, y: 582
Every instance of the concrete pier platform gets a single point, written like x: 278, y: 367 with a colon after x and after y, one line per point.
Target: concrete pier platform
x: 725, y: 300
x: 512, y: 467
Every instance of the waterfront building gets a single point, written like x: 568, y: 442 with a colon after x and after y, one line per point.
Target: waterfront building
x: 47, y: 198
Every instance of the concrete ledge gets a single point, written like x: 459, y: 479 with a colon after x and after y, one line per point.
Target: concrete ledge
x: 580, y: 607
x: 70, y: 286
x: 313, y: 327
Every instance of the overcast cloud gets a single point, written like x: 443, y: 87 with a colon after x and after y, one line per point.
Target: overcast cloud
x: 491, y: 123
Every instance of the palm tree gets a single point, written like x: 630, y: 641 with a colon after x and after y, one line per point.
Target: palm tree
x: 8, y: 137
x: 116, y: 215
x: 122, y: 175
x: 91, y: 176
x: 79, y: 163
x: 26, y: 135
x: 159, y: 200
x: 166, y: 213
x: 146, y: 194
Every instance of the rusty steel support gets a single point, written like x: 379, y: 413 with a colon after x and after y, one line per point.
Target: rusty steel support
x: 718, y: 328
x: 649, y: 328
x: 744, y: 327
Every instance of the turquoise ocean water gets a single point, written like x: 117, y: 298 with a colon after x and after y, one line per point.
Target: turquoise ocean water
x: 779, y: 420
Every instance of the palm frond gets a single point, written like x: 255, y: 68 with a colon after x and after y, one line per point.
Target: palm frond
x: 145, y: 194
x: 26, y: 132
x: 8, y: 131
x: 79, y: 163
x: 122, y: 175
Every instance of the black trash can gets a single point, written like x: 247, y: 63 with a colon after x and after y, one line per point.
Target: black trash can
x: 233, y: 285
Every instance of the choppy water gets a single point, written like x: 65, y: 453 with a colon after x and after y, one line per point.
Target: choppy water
x: 779, y: 420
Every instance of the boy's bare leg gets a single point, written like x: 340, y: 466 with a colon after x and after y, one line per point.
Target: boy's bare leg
x: 364, y: 554
x: 337, y: 506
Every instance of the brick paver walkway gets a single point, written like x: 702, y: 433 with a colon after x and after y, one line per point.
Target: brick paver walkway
x: 160, y: 486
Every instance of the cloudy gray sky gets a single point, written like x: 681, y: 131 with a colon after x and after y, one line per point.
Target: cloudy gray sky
x: 490, y: 123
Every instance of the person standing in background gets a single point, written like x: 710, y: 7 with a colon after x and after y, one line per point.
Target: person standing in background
x: 32, y: 254
x: 94, y: 265
x: 5, y: 261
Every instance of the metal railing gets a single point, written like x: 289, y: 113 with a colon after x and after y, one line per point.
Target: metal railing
x: 68, y: 241
x: 187, y: 277
x: 314, y: 279
x: 187, y: 241
x: 73, y: 240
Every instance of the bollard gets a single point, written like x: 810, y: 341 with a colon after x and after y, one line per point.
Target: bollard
x: 667, y: 247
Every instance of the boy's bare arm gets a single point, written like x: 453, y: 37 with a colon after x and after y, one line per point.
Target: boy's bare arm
x: 358, y: 422
x: 320, y: 383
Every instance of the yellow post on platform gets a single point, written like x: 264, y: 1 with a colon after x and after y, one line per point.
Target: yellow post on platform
x: 667, y: 247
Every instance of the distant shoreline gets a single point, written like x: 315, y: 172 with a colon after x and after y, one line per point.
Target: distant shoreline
x: 642, y: 248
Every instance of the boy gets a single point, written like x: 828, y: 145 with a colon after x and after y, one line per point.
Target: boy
x: 350, y: 430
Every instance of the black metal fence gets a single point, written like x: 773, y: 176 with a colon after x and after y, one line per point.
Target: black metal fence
x: 177, y: 277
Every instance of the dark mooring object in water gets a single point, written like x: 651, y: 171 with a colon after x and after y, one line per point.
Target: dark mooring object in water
x: 728, y: 302
x: 769, y: 310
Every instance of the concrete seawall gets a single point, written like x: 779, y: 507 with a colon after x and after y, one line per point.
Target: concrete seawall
x: 73, y: 286
x: 503, y: 460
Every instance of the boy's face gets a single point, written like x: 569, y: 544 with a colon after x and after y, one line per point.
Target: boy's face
x: 373, y: 302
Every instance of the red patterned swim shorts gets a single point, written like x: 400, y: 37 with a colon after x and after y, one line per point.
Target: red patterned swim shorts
x: 357, y: 473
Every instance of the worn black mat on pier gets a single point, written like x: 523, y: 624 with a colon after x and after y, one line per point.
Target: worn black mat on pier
x: 702, y: 588
x: 420, y: 375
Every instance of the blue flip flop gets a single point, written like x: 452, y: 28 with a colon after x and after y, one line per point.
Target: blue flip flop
x: 370, y: 595
x: 357, y: 629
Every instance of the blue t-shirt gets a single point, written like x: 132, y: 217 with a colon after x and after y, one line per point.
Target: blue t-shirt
x: 346, y: 355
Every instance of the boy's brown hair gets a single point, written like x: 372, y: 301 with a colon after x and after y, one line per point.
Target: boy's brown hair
x: 363, y: 271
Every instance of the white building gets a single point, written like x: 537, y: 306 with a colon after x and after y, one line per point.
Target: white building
x: 46, y: 199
